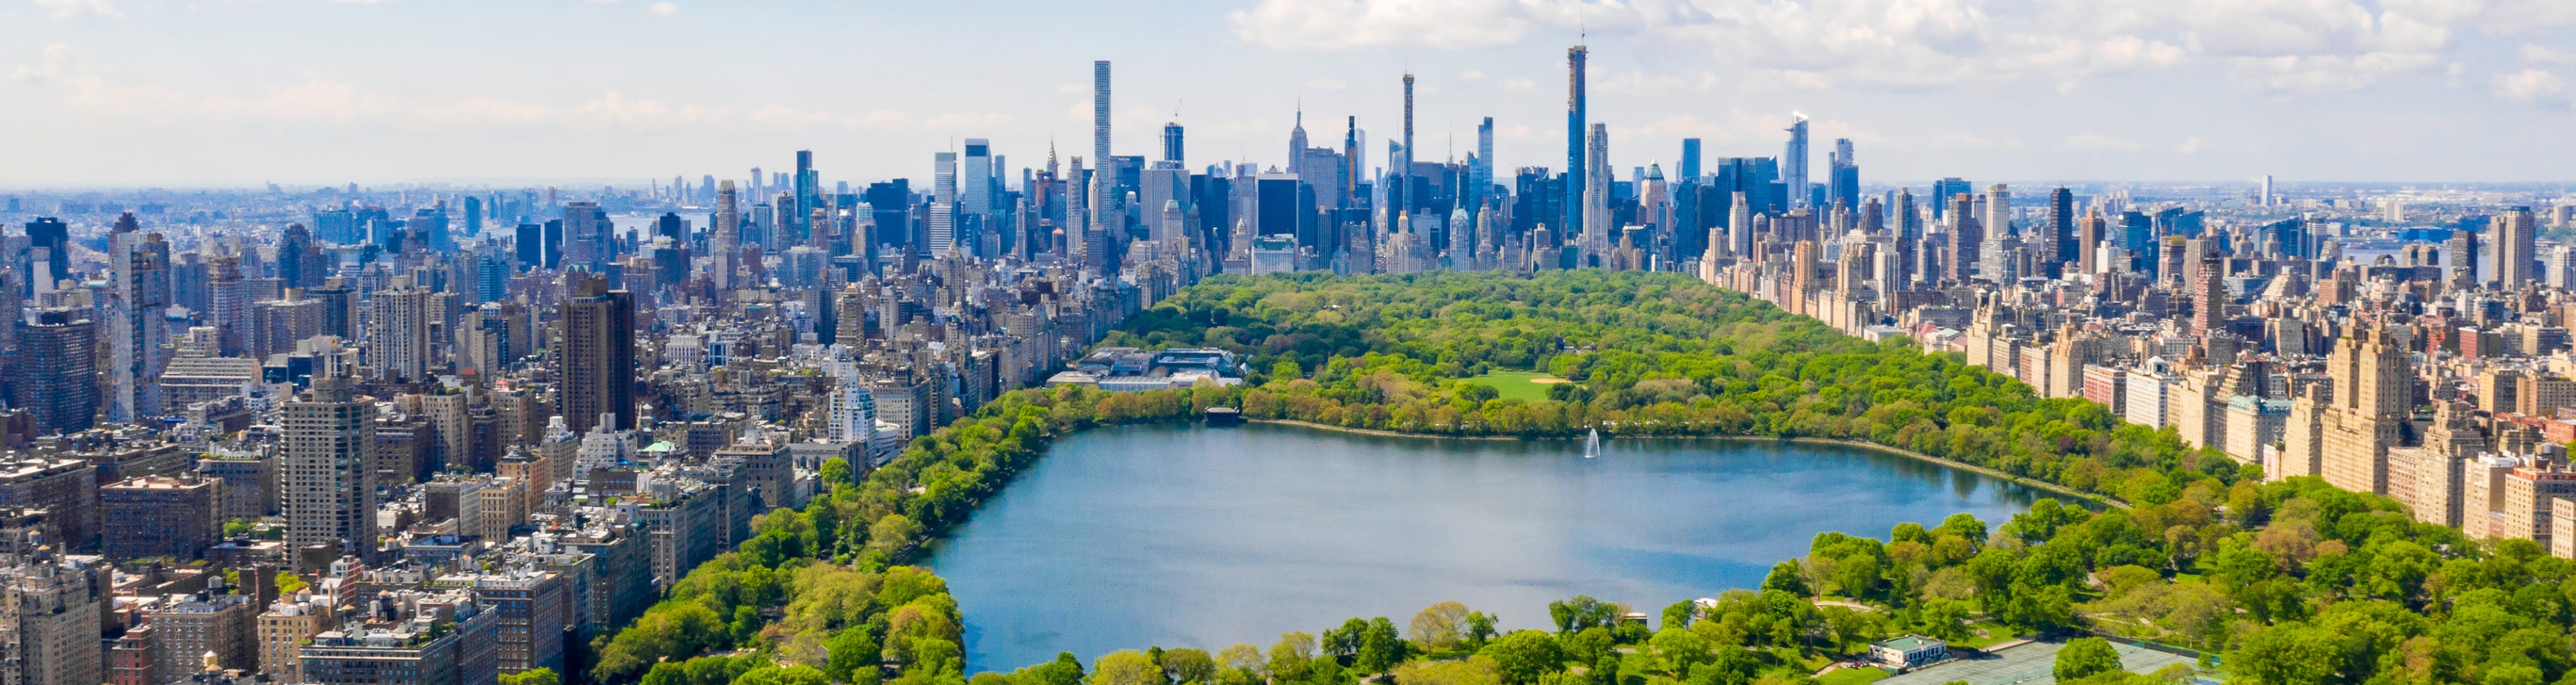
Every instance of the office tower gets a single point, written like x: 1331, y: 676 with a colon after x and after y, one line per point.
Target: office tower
x: 530, y: 247
x: 975, y: 179
x: 2463, y: 259
x: 324, y: 473
x: 1481, y: 176
x: 1793, y: 164
x: 809, y: 196
x: 587, y: 239
x: 1596, y: 198
x: 55, y: 374
x: 2089, y: 235
x: 2266, y: 197
x: 2517, y: 259
x: 943, y: 205
x: 55, y: 238
x: 1100, y: 204
x: 2061, y: 228
x: 1172, y: 143
x: 1942, y: 191
x: 598, y: 361
x: 1399, y: 197
x: 300, y: 263
x: 1998, y: 210
x: 50, y: 611
x: 398, y: 332
x: 1574, y: 145
x: 1687, y: 169
x: 1842, y: 178
x: 724, y: 243
x: 473, y: 215
x: 159, y: 516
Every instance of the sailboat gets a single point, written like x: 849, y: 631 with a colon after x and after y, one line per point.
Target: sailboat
x: 1592, y: 444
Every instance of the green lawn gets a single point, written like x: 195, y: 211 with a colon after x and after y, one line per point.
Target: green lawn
x: 1519, y: 385
x: 1852, y: 676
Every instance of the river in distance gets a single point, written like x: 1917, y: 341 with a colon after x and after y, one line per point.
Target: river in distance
x: 1186, y: 536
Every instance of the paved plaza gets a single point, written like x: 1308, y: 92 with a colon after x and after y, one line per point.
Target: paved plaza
x: 2026, y: 664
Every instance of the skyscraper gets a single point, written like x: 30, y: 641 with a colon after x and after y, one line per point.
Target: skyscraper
x: 2061, y: 227
x: 55, y: 372
x: 1688, y: 168
x: 1172, y: 143
x: 139, y: 336
x: 1574, y: 144
x: 1842, y: 178
x: 1100, y: 205
x: 398, y: 333
x: 725, y: 241
x: 1400, y: 187
x: 324, y: 484
x: 1793, y: 164
x: 598, y: 360
x: 1596, y: 198
x: 809, y: 196
x: 2517, y: 259
x: 1481, y: 176
x: 587, y: 235
x: 943, y: 205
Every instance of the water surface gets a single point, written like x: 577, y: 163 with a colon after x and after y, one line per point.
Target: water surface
x: 1185, y: 536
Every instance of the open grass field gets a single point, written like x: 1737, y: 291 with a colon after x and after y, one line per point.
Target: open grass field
x: 1528, y: 386
x: 1852, y: 676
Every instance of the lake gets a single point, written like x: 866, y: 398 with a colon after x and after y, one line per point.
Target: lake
x: 1186, y: 536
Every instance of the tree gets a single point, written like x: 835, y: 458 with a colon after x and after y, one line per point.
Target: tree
x: 852, y: 656
x: 1126, y: 667
x: 1187, y: 665
x: 892, y: 535
x: 1440, y: 627
x: 1681, y: 613
x: 533, y: 676
x: 1379, y: 647
x: 1784, y: 577
x: 1064, y: 670
x: 2083, y: 657
x: 1524, y: 655
x: 1474, y: 670
x: 1580, y: 612
x: 288, y: 584
x: 1480, y: 629
x: 1293, y: 657
x: 783, y: 675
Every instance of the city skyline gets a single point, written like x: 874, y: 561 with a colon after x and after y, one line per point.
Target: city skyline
x: 2332, y: 91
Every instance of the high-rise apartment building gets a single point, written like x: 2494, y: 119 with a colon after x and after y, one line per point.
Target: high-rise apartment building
x: 1574, y: 140
x: 398, y: 332
x: 56, y: 374
x: 324, y: 484
x: 1793, y: 164
x: 597, y: 364
x: 1596, y: 198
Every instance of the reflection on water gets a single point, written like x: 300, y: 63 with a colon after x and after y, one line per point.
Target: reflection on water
x: 1203, y: 537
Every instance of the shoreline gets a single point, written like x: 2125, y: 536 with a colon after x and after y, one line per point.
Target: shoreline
x: 1857, y: 444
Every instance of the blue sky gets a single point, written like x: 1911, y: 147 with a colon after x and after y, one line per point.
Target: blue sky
x: 216, y: 92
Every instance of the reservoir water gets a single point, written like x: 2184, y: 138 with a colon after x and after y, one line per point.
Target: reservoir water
x: 1186, y: 536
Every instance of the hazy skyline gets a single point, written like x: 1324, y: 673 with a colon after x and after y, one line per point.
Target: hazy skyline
x: 133, y: 93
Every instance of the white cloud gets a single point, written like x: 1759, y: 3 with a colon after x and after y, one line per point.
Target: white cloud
x: 66, y: 9
x: 2541, y: 54
x: 2531, y: 86
x: 2278, y: 46
x: 2096, y: 142
x: 1471, y: 75
x: 663, y: 9
x: 1321, y: 83
x: 1519, y: 85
